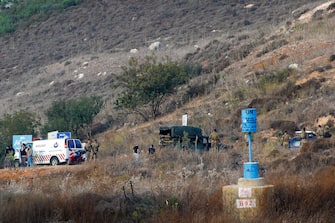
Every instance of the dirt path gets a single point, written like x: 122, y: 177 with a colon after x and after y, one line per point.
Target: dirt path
x: 37, y: 171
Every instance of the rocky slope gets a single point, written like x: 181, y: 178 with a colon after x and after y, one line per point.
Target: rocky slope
x: 79, y: 51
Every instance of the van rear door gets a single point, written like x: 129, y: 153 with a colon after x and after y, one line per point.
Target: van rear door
x: 77, y: 143
x: 74, y: 144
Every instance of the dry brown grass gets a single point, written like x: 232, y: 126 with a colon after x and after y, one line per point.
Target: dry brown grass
x: 119, y: 187
x: 173, y: 186
x: 303, y: 197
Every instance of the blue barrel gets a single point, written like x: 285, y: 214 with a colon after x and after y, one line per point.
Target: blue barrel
x: 250, y: 170
x: 249, y: 120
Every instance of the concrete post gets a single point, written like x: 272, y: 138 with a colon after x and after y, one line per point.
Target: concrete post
x: 246, y: 200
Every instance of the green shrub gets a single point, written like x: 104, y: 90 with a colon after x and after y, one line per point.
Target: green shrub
x: 23, y: 11
x: 72, y: 114
x: 68, y: 3
x: 269, y: 82
x: 6, y: 24
x: 146, y: 85
x: 239, y: 94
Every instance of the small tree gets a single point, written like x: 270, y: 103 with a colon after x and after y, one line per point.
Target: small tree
x: 148, y: 84
x: 72, y: 114
x: 19, y: 123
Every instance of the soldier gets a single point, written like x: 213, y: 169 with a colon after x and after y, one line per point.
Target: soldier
x: 327, y: 133
x: 320, y: 132
x: 303, y: 135
x: 95, y: 149
x: 285, y: 140
x: 214, y: 140
x: 88, y: 148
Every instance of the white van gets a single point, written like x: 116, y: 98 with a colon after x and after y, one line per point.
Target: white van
x: 54, y: 151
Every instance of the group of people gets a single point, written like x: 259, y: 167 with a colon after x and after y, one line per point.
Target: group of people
x: 136, y: 150
x: 322, y: 132
x: 92, y: 149
x: 26, y: 153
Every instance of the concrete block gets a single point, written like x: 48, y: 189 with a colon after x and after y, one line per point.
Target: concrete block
x: 251, y: 182
x: 245, y: 201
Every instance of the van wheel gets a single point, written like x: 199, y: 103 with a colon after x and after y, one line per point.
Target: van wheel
x: 54, y: 161
x: 16, y: 163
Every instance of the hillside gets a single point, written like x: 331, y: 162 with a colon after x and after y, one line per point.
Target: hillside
x: 278, y: 57
x: 44, y: 57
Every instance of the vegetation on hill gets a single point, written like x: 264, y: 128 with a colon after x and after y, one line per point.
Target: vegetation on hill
x: 18, y: 123
x: 72, y: 115
x: 21, y: 13
x: 148, y: 84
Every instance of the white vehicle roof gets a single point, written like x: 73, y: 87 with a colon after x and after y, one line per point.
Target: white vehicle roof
x: 299, y: 132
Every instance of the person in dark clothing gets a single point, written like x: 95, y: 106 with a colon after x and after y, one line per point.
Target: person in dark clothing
x: 8, y: 153
x: 136, y: 150
x: 151, y: 150
x: 23, y: 153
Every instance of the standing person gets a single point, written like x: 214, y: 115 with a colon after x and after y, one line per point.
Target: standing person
x: 214, y: 140
x: 151, y: 150
x: 136, y: 150
x: 12, y: 150
x: 320, y: 131
x: 30, y: 156
x: 303, y: 135
x: 88, y: 149
x: 8, y: 153
x: 285, y: 140
x: 95, y: 149
x: 23, y: 153
x: 8, y: 150
x: 327, y: 133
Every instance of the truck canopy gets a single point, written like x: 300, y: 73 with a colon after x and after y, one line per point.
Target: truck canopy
x: 173, y: 136
x: 178, y: 131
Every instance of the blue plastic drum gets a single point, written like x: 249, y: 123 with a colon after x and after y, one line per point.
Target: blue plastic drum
x: 250, y: 170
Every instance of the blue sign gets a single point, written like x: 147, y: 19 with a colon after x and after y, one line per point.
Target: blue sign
x: 63, y: 135
x: 249, y: 120
x: 19, y: 139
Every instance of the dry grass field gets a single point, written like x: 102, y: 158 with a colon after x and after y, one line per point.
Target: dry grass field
x: 172, y: 186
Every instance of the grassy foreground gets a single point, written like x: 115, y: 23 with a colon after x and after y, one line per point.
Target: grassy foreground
x: 173, y: 186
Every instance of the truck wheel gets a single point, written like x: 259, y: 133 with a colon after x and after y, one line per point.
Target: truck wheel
x: 54, y: 161
x: 16, y: 163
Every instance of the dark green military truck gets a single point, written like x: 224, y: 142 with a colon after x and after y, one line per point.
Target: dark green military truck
x: 183, y: 137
